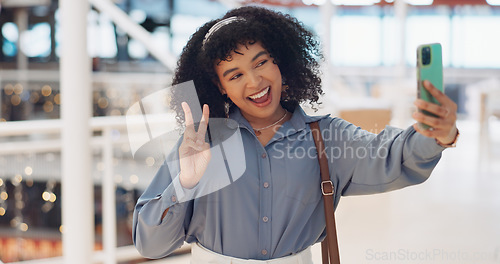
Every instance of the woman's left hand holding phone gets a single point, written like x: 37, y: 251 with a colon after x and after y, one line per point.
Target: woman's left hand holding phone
x: 443, y: 126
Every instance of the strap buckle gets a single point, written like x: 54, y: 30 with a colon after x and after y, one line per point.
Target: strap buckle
x: 323, y: 187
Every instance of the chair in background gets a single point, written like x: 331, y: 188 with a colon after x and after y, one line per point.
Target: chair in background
x: 484, y: 107
x: 489, y: 112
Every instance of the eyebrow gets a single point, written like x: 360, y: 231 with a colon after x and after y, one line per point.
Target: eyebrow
x: 259, y: 54
x: 229, y: 71
x: 253, y: 59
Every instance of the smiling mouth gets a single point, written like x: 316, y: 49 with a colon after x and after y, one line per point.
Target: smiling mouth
x: 260, y: 95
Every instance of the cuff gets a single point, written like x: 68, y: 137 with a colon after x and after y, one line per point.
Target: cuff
x: 174, y: 196
x: 425, y: 146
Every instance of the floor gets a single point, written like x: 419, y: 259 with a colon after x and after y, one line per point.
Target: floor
x: 454, y: 217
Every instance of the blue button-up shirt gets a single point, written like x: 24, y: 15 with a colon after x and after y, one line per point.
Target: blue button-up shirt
x: 275, y: 208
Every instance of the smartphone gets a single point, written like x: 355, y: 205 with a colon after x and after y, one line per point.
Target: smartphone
x: 429, y: 67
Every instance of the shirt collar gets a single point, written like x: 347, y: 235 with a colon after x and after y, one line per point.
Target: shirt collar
x: 300, y: 119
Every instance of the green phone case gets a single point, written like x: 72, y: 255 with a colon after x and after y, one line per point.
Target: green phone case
x: 430, y: 69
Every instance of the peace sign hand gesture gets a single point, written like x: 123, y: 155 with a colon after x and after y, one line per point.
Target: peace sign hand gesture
x: 194, y: 152
x: 443, y: 127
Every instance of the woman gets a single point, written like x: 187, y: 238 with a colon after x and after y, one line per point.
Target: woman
x: 255, y: 66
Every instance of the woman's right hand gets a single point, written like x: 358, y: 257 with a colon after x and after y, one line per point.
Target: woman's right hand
x: 194, y: 152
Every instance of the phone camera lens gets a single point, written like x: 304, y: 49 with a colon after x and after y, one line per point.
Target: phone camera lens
x: 426, y: 55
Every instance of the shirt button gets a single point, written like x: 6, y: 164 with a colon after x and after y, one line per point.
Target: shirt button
x: 264, y: 155
x: 265, y: 219
x: 266, y: 184
x: 264, y: 252
x: 174, y: 199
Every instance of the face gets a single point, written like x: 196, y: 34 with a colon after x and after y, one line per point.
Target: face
x: 252, y: 81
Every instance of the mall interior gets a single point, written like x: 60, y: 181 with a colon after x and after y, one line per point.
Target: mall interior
x: 70, y: 174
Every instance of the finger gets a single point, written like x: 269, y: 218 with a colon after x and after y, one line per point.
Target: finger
x: 434, y: 122
x: 440, y: 96
x: 426, y: 132
x: 429, y: 132
x: 419, y: 129
x: 202, y: 129
x: 438, y: 110
x: 188, y: 117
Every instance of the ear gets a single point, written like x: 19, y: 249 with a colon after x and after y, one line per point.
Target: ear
x: 221, y: 89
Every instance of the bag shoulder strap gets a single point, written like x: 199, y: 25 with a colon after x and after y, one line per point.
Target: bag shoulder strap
x: 329, y: 246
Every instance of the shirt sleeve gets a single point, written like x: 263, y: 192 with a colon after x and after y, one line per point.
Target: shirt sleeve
x: 152, y: 236
x: 365, y: 163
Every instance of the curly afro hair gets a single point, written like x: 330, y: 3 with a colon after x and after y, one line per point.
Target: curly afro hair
x: 294, y: 49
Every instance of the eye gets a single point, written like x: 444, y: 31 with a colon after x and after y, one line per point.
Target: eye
x: 234, y: 77
x: 261, y: 63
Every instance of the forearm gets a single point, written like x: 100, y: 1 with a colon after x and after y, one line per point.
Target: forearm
x: 160, y: 219
x: 388, y: 161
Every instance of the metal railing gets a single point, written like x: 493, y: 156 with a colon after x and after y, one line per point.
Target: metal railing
x: 109, y: 136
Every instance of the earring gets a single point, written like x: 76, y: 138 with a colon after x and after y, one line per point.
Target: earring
x: 227, y: 104
x: 284, y: 94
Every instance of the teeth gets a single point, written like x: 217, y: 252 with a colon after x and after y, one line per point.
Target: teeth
x: 259, y: 95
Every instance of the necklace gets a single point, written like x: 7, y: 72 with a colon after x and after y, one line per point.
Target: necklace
x: 257, y: 130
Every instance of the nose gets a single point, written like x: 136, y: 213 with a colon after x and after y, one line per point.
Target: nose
x: 253, y: 80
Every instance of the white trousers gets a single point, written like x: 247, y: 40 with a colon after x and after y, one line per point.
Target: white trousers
x: 202, y: 255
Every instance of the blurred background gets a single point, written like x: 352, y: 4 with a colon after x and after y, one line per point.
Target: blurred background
x: 369, y: 79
